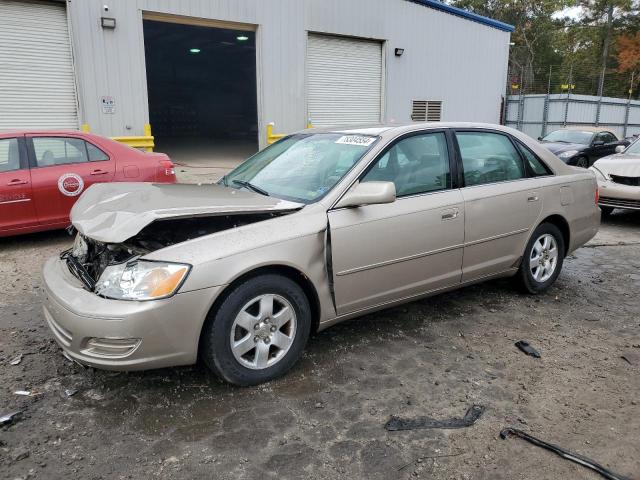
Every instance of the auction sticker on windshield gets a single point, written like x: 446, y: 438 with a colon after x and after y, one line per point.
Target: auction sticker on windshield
x: 356, y: 140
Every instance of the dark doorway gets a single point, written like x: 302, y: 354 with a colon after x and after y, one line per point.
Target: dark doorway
x: 201, y: 85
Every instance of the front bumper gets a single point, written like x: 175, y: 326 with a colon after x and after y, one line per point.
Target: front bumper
x: 616, y: 195
x: 118, y: 334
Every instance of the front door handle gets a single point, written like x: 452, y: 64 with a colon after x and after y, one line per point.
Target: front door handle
x: 17, y: 181
x: 533, y: 198
x: 449, y: 214
x: 99, y: 172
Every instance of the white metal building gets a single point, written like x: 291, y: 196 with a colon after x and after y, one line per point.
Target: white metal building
x: 197, y: 68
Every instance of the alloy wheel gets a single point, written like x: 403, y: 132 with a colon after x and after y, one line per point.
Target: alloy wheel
x: 543, y: 259
x: 263, y: 331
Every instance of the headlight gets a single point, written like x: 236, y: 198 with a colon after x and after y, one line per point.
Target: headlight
x: 568, y: 154
x: 141, y: 280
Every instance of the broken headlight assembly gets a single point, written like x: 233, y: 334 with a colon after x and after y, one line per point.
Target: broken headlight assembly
x: 141, y: 280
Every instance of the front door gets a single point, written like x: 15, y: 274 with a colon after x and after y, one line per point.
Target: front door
x: 382, y: 253
x: 62, y: 168
x: 17, y: 210
x: 501, y: 203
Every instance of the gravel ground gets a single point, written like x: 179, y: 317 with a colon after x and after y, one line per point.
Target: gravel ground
x: 434, y: 357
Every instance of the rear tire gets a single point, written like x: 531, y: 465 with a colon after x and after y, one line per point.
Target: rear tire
x: 542, y: 259
x: 277, y: 317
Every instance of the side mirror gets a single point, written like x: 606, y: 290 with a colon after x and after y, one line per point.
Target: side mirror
x: 369, y: 193
x: 620, y: 148
x: 598, y: 143
x: 539, y: 139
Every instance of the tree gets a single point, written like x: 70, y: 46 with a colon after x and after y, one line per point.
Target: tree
x: 629, y: 54
x: 535, y: 30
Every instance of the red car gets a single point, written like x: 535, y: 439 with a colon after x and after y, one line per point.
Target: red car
x: 43, y: 173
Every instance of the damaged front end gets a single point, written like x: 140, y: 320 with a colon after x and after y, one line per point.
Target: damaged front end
x: 119, y: 271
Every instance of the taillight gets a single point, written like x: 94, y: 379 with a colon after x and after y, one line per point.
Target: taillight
x: 597, y: 195
x: 169, y: 168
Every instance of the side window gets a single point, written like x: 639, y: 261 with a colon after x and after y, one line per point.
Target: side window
x: 536, y: 166
x: 9, y: 155
x: 417, y: 164
x: 95, y: 154
x: 488, y: 158
x: 59, y: 150
x: 608, y: 137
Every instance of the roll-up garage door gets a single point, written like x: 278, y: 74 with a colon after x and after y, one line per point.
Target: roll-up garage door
x: 344, y: 80
x: 37, y: 88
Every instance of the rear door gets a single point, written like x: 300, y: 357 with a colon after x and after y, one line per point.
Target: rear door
x: 501, y: 202
x: 62, y: 167
x: 383, y: 253
x: 17, y: 209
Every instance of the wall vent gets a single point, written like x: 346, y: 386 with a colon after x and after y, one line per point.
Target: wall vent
x: 426, y: 111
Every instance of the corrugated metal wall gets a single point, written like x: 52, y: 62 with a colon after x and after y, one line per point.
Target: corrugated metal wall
x: 461, y: 62
x: 526, y: 113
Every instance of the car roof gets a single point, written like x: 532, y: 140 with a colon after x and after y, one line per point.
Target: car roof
x: 584, y: 128
x: 393, y: 129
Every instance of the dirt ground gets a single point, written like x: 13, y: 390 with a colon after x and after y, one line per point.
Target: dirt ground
x: 325, y: 419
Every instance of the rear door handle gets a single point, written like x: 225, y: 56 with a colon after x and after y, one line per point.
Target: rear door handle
x: 17, y: 181
x: 533, y: 198
x: 99, y: 172
x: 449, y: 214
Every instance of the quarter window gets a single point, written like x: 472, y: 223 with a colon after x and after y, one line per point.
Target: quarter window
x: 488, y: 158
x: 417, y: 164
x: 95, y: 154
x: 536, y: 166
x: 9, y: 155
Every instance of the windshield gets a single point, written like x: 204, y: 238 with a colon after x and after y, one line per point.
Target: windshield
x: 301, y: 168
x: 569, y: 136
x: 633, y: 149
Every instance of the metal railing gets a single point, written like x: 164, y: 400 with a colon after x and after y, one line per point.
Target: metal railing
x: 274, y: 137
x: 145, y: 141
x: 542, y: 100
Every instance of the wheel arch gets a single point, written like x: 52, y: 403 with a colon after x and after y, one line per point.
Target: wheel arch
x: 287, y: 271
x: 562, y: 224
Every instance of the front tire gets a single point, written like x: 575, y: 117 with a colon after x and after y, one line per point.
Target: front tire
x: 542, y: 259
x: 258, y: 332
x: 582, y: 162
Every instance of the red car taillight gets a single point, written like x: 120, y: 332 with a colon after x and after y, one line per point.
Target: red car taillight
x: 167, y: 168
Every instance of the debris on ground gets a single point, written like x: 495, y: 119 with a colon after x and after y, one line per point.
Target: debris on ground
x: 526, y: 348
x: 472, y: 415
x: 632, y: 358
x: 26, y: 393
x: 20, y: 454
x: 16, y: 360
x: 70, y: 392
x: 10, y: 417
x: 574, y: 457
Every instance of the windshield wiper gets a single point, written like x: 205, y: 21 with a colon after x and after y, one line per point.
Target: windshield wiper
x: 251, y: 186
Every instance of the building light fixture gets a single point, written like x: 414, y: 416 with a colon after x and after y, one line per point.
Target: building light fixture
x: 242, y: 38
x: 108, y: 22
x: 399, y: 52
x: 194, y: 50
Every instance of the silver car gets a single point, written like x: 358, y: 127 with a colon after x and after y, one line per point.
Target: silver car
x: 619, y: 179
x: 322, y: 226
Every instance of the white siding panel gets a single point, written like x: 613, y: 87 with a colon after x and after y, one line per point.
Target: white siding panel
x: 37, y: 85
x: 344, y: 80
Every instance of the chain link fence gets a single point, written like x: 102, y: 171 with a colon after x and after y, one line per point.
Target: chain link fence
x: 540, y: 100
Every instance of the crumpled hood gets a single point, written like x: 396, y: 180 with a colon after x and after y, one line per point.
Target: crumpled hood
x: 621, y: 165
x: 559, y: 147
x: 114, y: 212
